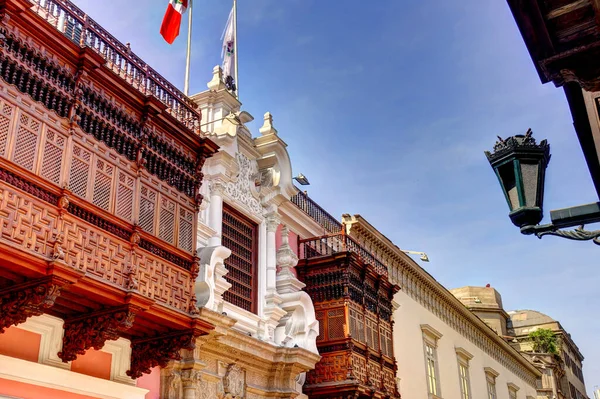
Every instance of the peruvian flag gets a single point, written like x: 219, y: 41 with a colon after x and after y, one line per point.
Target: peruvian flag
x: 172, y: 20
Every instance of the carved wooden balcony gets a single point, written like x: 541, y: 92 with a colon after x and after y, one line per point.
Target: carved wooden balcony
x: 100, y: 173
x: 353, y: 303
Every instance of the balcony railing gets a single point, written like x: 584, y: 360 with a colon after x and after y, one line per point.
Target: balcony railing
x: 84, y: 31
x: 320, y: 215
x: 334, y: 243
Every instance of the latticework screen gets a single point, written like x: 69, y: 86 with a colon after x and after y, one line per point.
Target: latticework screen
x: 239, y: 235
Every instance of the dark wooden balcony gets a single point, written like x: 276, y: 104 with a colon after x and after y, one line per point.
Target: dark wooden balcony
x: 353, y: 303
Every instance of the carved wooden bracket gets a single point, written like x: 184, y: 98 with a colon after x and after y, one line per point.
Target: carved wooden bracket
x: 158, y: 351
x: 94, y: 329
x: 31, y: 298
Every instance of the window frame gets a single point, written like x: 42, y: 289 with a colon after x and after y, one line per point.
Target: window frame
x: 490, y: 376
x: 430, y: 344
x: 464, y: 378
x: 513, y: 391
x: 255, y: 248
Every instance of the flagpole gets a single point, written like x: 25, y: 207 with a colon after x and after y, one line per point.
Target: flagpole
x: 235, y: 48
x: 186, y: 85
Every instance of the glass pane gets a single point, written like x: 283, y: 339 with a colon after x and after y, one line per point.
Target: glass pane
x: 529, y: 172
x: 507, y: 176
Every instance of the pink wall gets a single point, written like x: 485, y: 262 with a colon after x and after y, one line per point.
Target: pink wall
x: 28, y: 391
x: 94, y: 363
x: 19, y: 343
x: 152, y: 382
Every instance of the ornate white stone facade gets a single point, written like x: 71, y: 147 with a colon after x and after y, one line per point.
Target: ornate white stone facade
x: 251, y: 354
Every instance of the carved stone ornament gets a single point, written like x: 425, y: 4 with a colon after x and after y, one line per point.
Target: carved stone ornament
x: 158, y: 351
x: 234, y: 383
x: 241, y: 190
x: 31, y: 298
x: 94, y: 329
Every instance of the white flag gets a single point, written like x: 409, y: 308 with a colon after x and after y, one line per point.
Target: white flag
x: 228, y: 52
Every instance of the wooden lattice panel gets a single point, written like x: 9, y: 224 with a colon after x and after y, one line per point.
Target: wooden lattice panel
x: 359, y: 368
x: 148, y: 200
x: 125, y: 194
x: 95, y: 252
x: 186, y: 229
x: 163, y: 282
x: 336, y: 323
x: 239, y: 235
x: 374, y: 373
x: 166, y: 229
x: 385, y: 338
x: 331, y: 368
x: 372, y: 331
x: 6, y: 114
x: 103, y: 184
x: 53, y: 156
x: 389, y: 379
x: 357, y: 325
x: 26, y: 222
x: 80, y: 171
x: 26, y: 141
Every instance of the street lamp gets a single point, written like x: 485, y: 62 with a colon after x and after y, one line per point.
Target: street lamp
x: 423, y: 255
x: 520, y: 166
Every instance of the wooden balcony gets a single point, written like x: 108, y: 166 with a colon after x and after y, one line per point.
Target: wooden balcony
x: 99, y: 182
x: 353, y: 303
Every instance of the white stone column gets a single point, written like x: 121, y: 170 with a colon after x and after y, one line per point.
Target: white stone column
x: 273, y: 221
x: 215, y: 211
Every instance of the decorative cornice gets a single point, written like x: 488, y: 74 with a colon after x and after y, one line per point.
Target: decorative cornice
x: 491, y: 372
x: 462, y: 352
x: 430, y: 331
x: 513, y: 386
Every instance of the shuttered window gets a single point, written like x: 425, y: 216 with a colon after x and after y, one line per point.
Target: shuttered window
x: 240, y: 236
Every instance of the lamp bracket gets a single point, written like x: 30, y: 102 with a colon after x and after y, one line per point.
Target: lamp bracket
x: 577, y: 234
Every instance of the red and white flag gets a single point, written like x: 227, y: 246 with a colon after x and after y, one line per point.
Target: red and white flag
x: 172, y: 19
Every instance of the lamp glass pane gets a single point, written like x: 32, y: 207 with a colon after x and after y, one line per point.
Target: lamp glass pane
x: 509, y: 185
x: 529, y: 173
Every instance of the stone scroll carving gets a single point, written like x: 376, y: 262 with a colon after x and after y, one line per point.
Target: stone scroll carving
x: 242, y: 189
x: 211, y: 284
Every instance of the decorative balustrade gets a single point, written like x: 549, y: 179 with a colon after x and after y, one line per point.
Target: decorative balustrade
x: 83, y: 30
x: 318, y: 214
x: 334, y: 243
x: 53, y: 232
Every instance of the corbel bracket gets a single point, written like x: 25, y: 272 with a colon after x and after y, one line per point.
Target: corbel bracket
x: 31, y: 298
x: 92, y: 330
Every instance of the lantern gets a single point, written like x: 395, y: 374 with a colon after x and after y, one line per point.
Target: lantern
x: 520, y: 165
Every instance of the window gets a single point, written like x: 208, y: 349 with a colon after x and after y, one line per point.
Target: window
x: 490, y: 376
x: 432, y: 375
x: 430, y: 338
x: 463, y: 372
x: 465, y: 390
x: 239, y: 235
x: 512, y: 391
x: 491, y: 388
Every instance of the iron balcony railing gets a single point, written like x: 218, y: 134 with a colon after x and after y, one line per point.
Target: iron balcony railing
x: 334, y: 243
x: 71, y: 21
x: 318, y: 214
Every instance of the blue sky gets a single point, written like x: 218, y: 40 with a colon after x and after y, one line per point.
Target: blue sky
x: 387, y: 107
